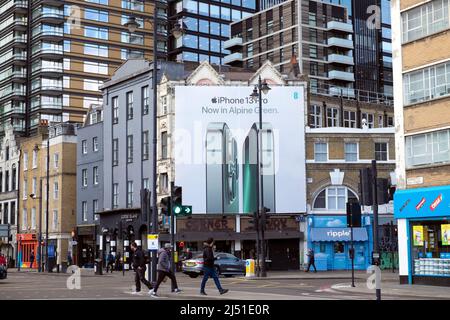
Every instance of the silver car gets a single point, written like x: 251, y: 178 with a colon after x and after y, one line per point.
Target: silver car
x: 225, y: 264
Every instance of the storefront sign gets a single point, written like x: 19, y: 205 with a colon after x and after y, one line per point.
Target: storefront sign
x: 273, y: 225
x: 420, y: 204
x: 445, y: 232
x: 207, y: 225
x: 338, y: 234
x: 436, y: 202
x: 129, y: 217
x: 418, y: 235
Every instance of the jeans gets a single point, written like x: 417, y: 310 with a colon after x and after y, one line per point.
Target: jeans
x: 210, y: 272
x: 162, y: 275
x: 140, y: 277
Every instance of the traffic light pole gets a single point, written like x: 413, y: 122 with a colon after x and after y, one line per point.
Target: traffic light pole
x: 376, y: 253
x: 172, y: 227
x: 352, y: 252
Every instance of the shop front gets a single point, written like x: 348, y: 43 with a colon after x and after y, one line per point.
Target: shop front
x: 28, y: 244
x: 423, y: 217
x: 236, y: 235
x: 330, y: 239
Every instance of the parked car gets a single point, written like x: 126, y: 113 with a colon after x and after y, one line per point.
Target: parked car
x: 3, y: 267
x: 225, y: 264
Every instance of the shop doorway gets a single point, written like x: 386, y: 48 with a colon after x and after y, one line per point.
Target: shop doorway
x: 283, y: 254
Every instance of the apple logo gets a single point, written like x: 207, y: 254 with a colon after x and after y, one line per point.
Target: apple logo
x: 214, y: 100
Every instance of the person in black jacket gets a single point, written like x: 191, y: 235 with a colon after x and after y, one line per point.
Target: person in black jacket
x: 139, y: 267
x: 208, y: 268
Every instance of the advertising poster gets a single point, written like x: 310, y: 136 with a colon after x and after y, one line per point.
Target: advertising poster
x: 215, y: 138
x: 445, y: 232
x: 418, y: 235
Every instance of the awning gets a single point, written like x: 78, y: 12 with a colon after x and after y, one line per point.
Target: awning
x: 338, y: 234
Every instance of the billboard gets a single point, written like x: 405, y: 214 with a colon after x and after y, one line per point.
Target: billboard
x: 445, y: 232
x: 216, y: 142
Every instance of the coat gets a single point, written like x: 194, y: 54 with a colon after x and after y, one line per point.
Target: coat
x: 208, y: 256
x: 163, y: 261
x: 138, y: 259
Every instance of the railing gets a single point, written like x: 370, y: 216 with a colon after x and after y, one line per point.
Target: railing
x: 352, y: 94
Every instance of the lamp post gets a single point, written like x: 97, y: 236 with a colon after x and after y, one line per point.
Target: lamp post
x: 260, y: 89
x: 177, y: 32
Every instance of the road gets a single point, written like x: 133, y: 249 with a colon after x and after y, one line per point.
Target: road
x: 32, y: 285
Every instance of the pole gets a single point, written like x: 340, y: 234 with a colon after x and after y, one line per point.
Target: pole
x: 261, y: 183
x: 258, y: 194
x: 18, y: 246
x: 48, y: 199
x: 172, y: 228
x: 352, y: 253
x: 375, y: 212
x: 392, y: 246
x: 40, y: 227
x: 154, y: 220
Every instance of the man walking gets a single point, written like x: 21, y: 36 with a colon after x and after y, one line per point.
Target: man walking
x: 164, y: 261
x: 31, y: 259
x: 310, y: 256
x: 139, y: 267
x: 208, y: 268
x: 110, y: 262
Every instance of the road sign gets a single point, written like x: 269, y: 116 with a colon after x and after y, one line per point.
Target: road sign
x: 152, y: 242
x: 4, y: 230
x: 182, y: 210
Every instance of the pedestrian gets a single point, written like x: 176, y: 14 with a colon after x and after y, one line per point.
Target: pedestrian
x: 31, y: 259
x: 310, y: 256
x: 139, y: 268
x: 69, y: 258
x: 109, y: 262
x: 208, y: 268
x: 164, y: 270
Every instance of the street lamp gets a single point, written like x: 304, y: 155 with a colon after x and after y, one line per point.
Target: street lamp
x: 260, y: 89
x: 177, y: 32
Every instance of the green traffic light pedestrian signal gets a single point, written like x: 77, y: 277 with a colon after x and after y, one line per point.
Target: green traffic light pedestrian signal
x: 182, y: 210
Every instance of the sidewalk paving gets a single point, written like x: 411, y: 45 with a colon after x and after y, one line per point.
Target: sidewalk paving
x: 331, y: 275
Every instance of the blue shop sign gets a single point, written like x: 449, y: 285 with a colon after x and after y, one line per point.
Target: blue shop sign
x: 338, y: 234
x: 422, y: 202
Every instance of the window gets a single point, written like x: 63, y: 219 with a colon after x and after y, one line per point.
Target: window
x: 312, y: 51
x: 115, y: 108
x: 95, y: 209
x: 130, y: 148
x: 55, y: 190
x: 55, y: 220
x: 132, y: 38
x: 164, y: 183
x: 33, y: 218
x: 84, y: 210
x: 427, y: 84
x: 96, y: 15
x: 130, y: 194
x: 7, y: 180
x: 95, y: 175
x: 25, y: 189
x: 84, y: 146
x: 369, y: 119
x: 24, y: 219
x: 115, y: 151
x: 320, y: 152
x: 164, y: 145
x: 84, y: 178
x: 315, y: 116
x: 56, y: 160
x: 339, y: 247
x: 115, y: 197
x: 95, y: 67
x: 145, y: 146
x: 13, y: 179
x: 334, y: 198
x: 96, y: 32
x: 92, y: 85
x: 35, y: 154
x: 425, y: 20
x: 429, y: 148
x: 33, y: 186
x: 390, y: 121
x: 130, y: 105
x: 96, y: 50
x: 137, y: 5
x: 380, y: 121
x: 332, y: 117
x: 381, y: 153
x: 145, y: 100
x: 25, y: 161
x: 349, y: 119
x: 351, y: 152
x: 145, y: 183
x: 95, y: 144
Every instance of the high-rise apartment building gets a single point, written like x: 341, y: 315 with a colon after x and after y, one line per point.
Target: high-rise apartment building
x: 207, y: 26
x: 61, y: 52
x: 421, y: 47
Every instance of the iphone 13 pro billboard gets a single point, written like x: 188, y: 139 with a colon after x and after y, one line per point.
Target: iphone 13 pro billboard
x: 215, y: 149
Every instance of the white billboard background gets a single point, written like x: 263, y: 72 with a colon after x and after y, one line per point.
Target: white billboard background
x: 204, y: 113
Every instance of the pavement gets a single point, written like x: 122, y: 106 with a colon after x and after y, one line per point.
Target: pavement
x: 291, y: 285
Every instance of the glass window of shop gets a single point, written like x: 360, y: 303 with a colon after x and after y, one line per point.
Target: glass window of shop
x: 430, y: 248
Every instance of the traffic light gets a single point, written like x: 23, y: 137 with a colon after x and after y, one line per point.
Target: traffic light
x: 254, y: 221
x: 165, y: 205
x: 353, y: 214
x: 177, y: 200
x: 391, y: 192
x: 365, y: 186
x: 382, y: 190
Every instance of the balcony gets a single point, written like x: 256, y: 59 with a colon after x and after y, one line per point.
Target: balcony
x: 21, y: 5
x: 20, y: 40
x: 345, y: 92
x: 19, y: 57
x: 48, y: 69
x: 20, y: 23
x: 47, y: 105
x: 340, y: 26
x: 339, y: 42
x: 231, y: 58
x: 51, y: 16
x: 18, y: 75
x: 341, y: 59
x: 233, y: 42
x: 341, y: 75
x: 49, y: 51
x: 49, y: 33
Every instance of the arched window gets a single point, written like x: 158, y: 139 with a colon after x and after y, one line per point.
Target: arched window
x: 334, y: 198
